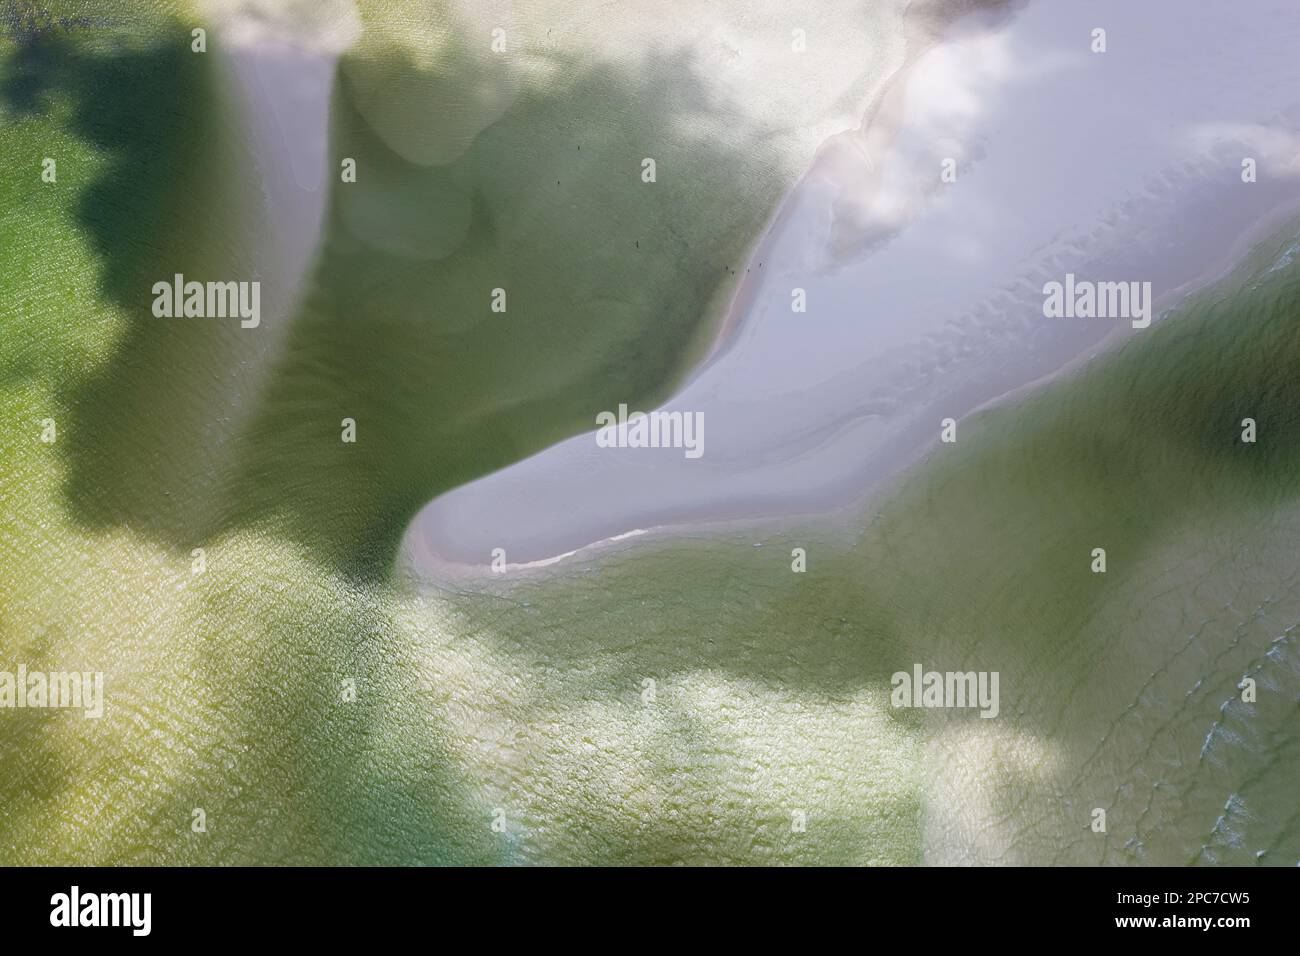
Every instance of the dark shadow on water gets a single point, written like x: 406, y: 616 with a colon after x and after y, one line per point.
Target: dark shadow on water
x: 128, y: 100
x: 143, y: 430
x: 607, y: 281
x: 607, y: 278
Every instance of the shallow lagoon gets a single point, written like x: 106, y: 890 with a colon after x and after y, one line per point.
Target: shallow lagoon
x: 528, y: 693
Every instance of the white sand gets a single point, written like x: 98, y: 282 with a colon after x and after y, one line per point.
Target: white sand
x: 925, y: 299
x: 278, y: 67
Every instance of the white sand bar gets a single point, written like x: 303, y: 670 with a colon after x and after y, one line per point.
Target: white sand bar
x: 925, y: 298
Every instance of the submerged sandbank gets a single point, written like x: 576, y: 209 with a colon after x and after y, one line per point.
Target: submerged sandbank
x: 924, y: 297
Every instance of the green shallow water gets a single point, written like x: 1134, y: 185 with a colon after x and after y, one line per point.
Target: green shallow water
x: 527, y: 702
